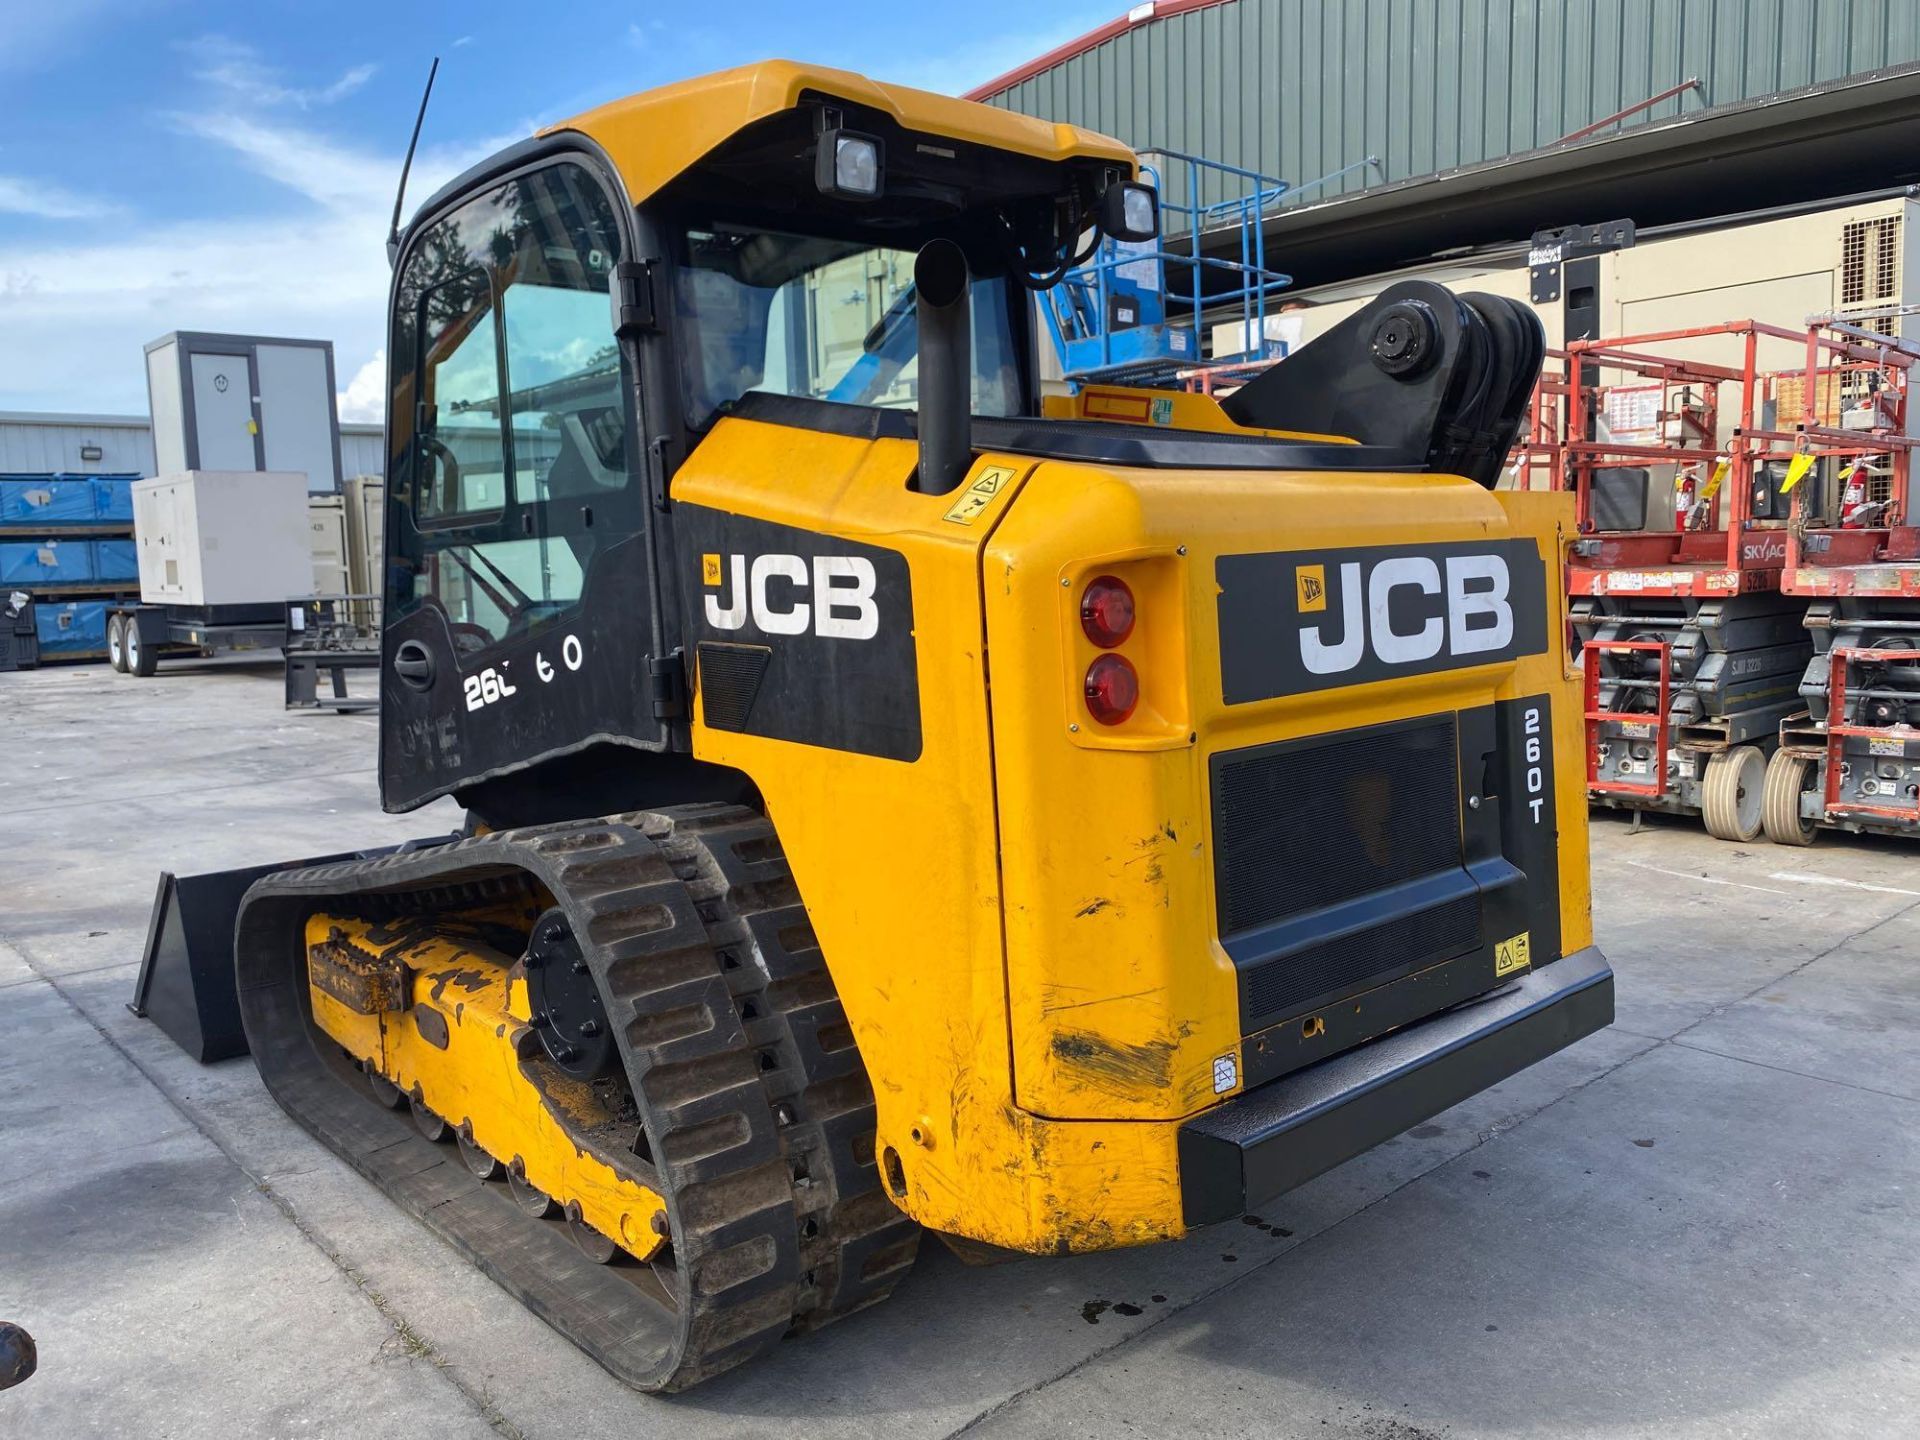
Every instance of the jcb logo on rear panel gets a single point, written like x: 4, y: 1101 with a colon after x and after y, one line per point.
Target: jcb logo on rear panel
x: 1301, y: 621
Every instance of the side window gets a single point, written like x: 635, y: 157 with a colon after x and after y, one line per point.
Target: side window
x: 462, y: 460
x: 508, y: 422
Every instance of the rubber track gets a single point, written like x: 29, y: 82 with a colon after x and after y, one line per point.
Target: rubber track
x: 755, y: 1108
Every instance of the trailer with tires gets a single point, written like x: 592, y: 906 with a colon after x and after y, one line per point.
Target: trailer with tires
x: 219, y: 553
x: 1850, y: 759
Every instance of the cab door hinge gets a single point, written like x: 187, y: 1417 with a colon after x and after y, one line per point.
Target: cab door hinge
x: 633, y: 302
x: 657, y: 489
x: 668, y: 675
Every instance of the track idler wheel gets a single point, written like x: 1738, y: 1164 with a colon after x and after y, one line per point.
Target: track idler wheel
x: 1789, y: 777
x: 1731, y: 794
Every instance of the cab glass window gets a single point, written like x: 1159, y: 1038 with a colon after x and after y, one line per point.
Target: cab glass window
x: 508, y: 423
x: 757, y: 309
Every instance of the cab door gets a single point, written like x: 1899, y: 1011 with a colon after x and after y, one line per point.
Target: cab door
x: 519, y: 606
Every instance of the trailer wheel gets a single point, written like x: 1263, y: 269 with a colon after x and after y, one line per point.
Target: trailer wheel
x: 117, y: 644
x: 1732, y: 792
x: 142, y: 660
x: 1789, y: 777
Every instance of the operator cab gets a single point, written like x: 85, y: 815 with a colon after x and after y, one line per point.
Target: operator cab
x: 559, y: 343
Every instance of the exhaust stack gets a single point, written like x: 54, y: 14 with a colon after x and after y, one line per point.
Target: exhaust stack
x: 946, y: 366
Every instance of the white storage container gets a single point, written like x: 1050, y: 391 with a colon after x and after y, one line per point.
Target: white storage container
x: 210, y: 537
x: 244, y: 402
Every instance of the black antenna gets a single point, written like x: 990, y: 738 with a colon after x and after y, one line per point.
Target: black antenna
x: 400, y: 197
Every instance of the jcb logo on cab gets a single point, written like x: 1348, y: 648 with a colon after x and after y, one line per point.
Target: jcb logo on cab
x: 828, y: 595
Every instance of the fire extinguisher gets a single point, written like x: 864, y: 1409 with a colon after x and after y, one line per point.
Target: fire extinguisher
x: 1686, y: 487
x: 1854, y: 510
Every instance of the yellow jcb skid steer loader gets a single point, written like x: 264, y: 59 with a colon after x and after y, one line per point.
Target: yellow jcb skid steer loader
x: 895, y: 802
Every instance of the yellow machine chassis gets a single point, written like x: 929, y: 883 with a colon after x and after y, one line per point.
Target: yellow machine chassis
x: 459, y: 1043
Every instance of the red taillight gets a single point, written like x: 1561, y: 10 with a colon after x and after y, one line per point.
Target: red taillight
x: 1106, y: 611
x: 1112, y: 689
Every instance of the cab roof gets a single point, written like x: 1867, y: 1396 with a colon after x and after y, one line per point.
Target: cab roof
x: 657, y: 135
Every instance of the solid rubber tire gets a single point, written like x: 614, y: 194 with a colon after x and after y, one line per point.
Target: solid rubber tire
x: 1787, y: 779
x: 1732, y: 792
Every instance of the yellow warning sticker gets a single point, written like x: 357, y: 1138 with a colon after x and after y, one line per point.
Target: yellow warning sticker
x: 1796, y: 470
x: 1512, y: 955
x: 1311, y: 583
x: 977, y: 496
x: 1885, y: 745
x: 710, y: 569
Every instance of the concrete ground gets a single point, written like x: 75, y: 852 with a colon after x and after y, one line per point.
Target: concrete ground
x: 1701, y: 1222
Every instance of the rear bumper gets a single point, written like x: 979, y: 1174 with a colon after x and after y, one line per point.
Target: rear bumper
x: 1268, y: 1140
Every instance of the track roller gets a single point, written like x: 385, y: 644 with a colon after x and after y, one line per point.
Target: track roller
x: 1789, y: 777
x: 483, y: 1165
x: 598, y: 1248
x: 1731, y: 794
x: 428, y: 1123
x: 386, y: 1092
x: 534, y: 1201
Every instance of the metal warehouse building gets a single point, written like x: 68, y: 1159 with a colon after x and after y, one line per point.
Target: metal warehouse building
x: 41, y: 443
x: 1486, y: 119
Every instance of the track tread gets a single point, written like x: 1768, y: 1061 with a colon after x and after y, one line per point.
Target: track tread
x: 757, y: 1113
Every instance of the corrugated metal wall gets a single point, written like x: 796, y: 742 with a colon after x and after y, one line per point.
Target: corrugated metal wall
x: 1300, y: 88
x: 50, y: 444
x: 361, y: 451
x: 44, y: 445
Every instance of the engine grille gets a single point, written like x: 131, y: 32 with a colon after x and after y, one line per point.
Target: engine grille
x: 1338, y: 862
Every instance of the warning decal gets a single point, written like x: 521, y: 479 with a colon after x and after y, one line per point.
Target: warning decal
x: 1512, y: 955
x: 977, y: 496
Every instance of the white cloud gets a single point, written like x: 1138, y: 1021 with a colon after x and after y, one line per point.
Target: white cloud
x: 76, y: 314
x: 365, y: 397
x: 237, y: 67
x: 42, y: 201
x: 305, y: 161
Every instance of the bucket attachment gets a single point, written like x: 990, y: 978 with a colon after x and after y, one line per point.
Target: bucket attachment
x: 186, y: 983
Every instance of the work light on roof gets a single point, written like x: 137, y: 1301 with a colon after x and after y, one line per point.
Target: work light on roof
x: 849, y: 165
x: 1130, y: 211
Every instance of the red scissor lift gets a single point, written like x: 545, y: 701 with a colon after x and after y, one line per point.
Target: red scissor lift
x: 1851, y: 759
x: 1692, y: 654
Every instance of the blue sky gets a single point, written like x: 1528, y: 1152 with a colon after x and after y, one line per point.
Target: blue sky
x: 217, y: 166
